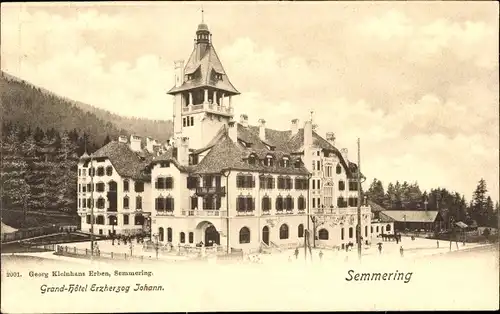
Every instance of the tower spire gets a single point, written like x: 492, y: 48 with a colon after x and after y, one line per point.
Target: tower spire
x: 202, y: 15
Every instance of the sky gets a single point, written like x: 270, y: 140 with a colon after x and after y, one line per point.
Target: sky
x: 417, y: 82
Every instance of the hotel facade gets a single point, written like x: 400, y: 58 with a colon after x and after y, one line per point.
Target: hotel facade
x: 219, y: 180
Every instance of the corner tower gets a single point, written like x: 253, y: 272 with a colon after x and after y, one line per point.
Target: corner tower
x: 202, y: 93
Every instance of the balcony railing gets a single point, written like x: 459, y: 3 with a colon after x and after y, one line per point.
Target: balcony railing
x: 221, y: 190
x: 209, y: 107
x: 204, y: 213
x: 245, y: 213
x: 266, y: 212
x: 164, y: 212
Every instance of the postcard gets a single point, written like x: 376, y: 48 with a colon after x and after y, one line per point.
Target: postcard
x: 249, y: 156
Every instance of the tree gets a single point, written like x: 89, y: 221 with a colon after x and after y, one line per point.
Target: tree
x: 67, y: 159
x: 479, y: 202
x: 376, y: 192
x: 390, y: 197
x: 106, y: 140
x: 490, y: 213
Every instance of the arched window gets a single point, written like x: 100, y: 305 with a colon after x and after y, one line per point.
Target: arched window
x: 101, y: 203
x: 169, y: 234
x: 244, y: 235
x: 251, y: 159
x: 366, y: 231
x: 161, y: 234
x: 284, y: 231
x: 125, y: 186
x: 194, y: 202
x: 183, y: 237
x: 100, y: 171
x: 301, y: 231
x: 388, y: 227
x: 112, y: 186
x: 323, y: 234
x: 371, y: 229
x: 350, y: 233
x: 339, y: 169
x: 342, y: 234
x: 138, y: 202
x: 125, y: 202
x: 289, y: 203
x: 191, y: 237
x: 377, y: 228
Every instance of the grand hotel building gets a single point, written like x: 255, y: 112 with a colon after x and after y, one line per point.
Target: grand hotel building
x: 219, y: 180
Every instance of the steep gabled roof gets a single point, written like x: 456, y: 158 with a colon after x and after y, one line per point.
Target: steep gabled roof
x: 127, y: 163
x: 226, y: 154
x: 207, y: 64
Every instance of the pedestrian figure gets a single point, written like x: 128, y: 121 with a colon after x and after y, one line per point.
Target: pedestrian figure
x: 320, y: 255
x: 296, y: 253
x: 401, y: 251
x: 437, y: 241
x: 380, y: 248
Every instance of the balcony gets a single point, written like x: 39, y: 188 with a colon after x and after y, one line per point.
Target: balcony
x: 204, y: 213
x: 266, y: 212
x: 220, y: 190
x: 164, y: 213
x: 208, y: 107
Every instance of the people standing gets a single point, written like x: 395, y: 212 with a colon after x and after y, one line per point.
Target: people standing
x: 320, y: 255
x: 401, y: 251
x: 380, y: 248
x: 296, y: 253
x: 437, y: 241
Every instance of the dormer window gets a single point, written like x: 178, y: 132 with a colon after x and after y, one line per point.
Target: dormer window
x: 269, y: 161
x: 297, y: 164
x: 251, y: 160
x: 285, y: 162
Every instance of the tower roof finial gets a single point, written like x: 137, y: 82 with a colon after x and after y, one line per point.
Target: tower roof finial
x: 202, y: 15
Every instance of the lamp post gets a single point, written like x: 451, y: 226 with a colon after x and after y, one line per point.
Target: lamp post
x: 226, y: 173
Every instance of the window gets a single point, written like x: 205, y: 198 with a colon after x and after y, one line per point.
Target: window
x: 266, y: 182
x: 192, y: 120
x: 244, y: 235
x: 353, y: 201
x: 79, y: 172
x: 191, y: 237
x: 338, y: 169
x: 284, y: 231
x: 314, y: 203
x: 341, y: 185
x: 318, y: 185
x: 109, y: 171
x: 101, y: 202
x: 353, y: 186
x: 269, y: 161
x: 323, y: 234
x: 90, y: 187
x: 164, y: 164
x: 301, y: 231
x: 388, y: 227
x: 279, y: 203
x: 139, y: 186
x: 84, y: 172
x: 301, y: 203
x: 328, y: 197
x: 184, y: 122
x: 366, y: 231
x: 125, y: 219
x: 169, y: 204
x: 125, y: 202
x: 350, y: 233
x: 245, y: 181
x: 288, y: 183
x: 89, y: 203
x: 88, y: 219
x: 169, y: 234
x: 138, y: 202
x: 208, y: 181
x: 245, y: 204
x: 92, y: 172
x: 341, y: 202
x: 100, y: 220
x: 284, y: 162
x: 161, y: 234
x: 281, y: 183
x: 318, y: 202
x: 266, y: 203
x: 183, y: 237
x: 318, y: 163
x: 297, y: 164
x: 84, y: 203
x: 192, y: 182
x: 208, y: 202
x: 84, y: 188
x: 125, y: 186
x: 328, y: 171
x: 342, y: 234
x: 100, y: 171
x: 251, y: 160
x: 164, y: 183
x: 371, y: 229
x: 301, y: 184
x: 289, y: 203
x: 377, y: 228
x: 99, y: 187
x: 194, y: 202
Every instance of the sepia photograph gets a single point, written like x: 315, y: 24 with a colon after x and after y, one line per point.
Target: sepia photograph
x: 249, y: 156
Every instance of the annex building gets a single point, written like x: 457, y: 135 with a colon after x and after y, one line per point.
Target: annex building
x: 220, y: 180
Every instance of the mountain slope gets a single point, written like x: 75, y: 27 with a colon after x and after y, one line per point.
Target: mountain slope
x: 31, y: 106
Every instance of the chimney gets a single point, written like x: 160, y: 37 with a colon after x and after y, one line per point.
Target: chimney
x: 330, y: 138
x: 244, y: 120
x: 149, y: 144
x: 295, y: 126
x: 122, y: 139
x: 262, y: 129
x: 308, y: 141
x: 135, y: 143
x: 233, y: 131
x: 179, y: 72
x: 344, y: 152
x: 183, y: 151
